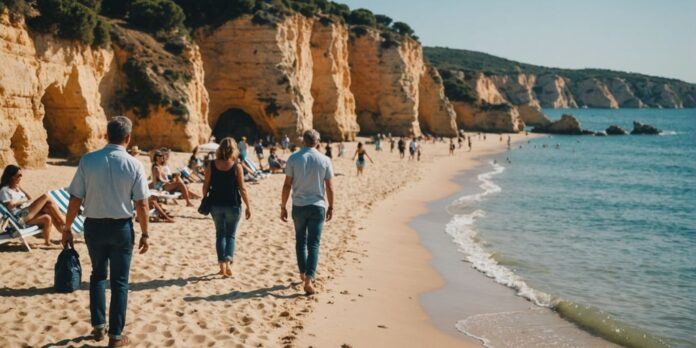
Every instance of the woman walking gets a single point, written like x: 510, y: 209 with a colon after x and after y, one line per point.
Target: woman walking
x: 360, y: 153
x: 224, y: 187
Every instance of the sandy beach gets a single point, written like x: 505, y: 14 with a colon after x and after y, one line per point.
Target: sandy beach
x: 371, y: 271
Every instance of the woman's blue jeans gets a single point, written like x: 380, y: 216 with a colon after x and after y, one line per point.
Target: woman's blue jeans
x: 226, y: 220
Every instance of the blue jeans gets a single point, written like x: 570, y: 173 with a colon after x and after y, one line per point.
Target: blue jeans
x: 309, y: 221
x: 110, y: 246
x: 226, y: 220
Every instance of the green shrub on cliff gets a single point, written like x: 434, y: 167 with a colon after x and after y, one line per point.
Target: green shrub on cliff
x: 362, y: 16
x: 156, y: 15
x: 15, y: 7
x: 68, y: 19
x: 402, y: 28
x: 102, y: 33
x: 383, y: 20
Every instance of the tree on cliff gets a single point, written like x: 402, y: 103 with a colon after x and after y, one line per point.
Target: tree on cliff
x: 383, y: 20
x: 402, y: 28
x: 362, y: 16
x: 154, y: 15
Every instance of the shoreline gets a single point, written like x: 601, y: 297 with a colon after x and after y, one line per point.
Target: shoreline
x: 378, y: 300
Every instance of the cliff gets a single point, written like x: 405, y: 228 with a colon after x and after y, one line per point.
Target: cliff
x: 49, y: 95
x: 334, y: 103
x: 563, y: 88
x: 390, y: 80
x: 260, y: 72
x: 501, y: 118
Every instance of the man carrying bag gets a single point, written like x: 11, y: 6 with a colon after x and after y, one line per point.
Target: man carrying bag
x: 108, y: 181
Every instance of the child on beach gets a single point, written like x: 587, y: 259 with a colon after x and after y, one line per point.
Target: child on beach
x: 402, y: 147
x: 451, y: 147
x: 412, y: 149
x: 341, y: 149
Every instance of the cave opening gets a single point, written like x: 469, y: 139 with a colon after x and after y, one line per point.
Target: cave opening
x: 64, y: 120
x: 236, y: 123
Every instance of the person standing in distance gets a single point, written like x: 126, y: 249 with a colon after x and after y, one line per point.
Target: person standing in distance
x: 108, y: 182
x: 308, y: 175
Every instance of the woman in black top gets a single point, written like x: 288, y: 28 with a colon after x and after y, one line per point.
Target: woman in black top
x: 224, y: 186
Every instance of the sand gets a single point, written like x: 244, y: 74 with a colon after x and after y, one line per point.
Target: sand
x: 371, y: 271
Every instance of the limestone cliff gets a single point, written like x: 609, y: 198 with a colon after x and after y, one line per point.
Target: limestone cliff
x: 262, y: 70
x: 527, y: 84
x: 180, y: 120
x: 49, y: 95
x: 334, y: 103
x: 385, y: 83
x: 436, y: 114
x: 501, y: 118
x: 553, y: 91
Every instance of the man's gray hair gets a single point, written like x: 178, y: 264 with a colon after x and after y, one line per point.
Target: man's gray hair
x: 311, y: 138
x: 118, y: 128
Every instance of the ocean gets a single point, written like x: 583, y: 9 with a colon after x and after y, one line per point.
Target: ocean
x: 601, y: 229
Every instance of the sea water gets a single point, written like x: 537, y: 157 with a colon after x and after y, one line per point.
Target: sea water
x: 601, y: 229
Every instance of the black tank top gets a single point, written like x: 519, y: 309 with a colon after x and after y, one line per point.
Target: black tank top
x: 224, y: 189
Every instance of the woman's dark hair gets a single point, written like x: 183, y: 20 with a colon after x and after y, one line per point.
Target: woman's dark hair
x: 360, y: 145
x: 7, y: 175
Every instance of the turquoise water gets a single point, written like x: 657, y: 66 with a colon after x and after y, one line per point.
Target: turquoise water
x: 601, y: 228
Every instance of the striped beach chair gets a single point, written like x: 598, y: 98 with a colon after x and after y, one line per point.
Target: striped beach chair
x: 256, y: 171
x: 11, y: 227
x: 62, y: 198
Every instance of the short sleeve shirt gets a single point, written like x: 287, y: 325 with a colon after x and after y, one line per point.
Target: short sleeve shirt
x: 108, y: 181
x: 7, y: 194
x: 308, y: 169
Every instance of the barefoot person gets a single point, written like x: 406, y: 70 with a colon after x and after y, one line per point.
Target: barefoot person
x: 224, y: 180
x: 308, y: 176
x: 108, y: 182
x: 360, y: 153
x: 41, y: 212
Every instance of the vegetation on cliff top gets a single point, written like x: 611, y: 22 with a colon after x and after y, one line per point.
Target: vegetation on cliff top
x: 472, y: 61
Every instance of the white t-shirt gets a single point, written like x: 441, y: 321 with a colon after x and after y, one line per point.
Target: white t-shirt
x: 7, y: 194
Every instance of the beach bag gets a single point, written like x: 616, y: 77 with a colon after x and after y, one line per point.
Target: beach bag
x: 204, y: 208
x: 68, y: 272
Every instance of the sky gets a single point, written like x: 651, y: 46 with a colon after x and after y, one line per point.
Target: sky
x: 654, y: 37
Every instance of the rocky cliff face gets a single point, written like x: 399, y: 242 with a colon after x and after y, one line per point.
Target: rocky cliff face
x: 501, y: 118
x: 49, y: 96
x: 183, y: 123
x: 553, y: 91
x: 385, y: 84
x: 395, y: 90
x: 263, y: 70
x: 334, y: 103
x: 436, y: 113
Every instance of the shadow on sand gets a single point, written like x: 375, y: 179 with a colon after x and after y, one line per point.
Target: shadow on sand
x: 148, y: 285
x: 245, y: 295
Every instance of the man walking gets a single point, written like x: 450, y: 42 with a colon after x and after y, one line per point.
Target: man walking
x: 308, y: 175
x: 107, y: 182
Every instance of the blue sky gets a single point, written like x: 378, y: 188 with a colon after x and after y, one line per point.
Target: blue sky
x: 656, y: 37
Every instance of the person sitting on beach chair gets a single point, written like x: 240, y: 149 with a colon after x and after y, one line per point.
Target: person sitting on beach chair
x: 161, y: 182
x: 42, y: 211
x: 275, y: 164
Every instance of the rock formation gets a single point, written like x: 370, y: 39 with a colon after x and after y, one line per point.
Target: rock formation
x: 567, y: 125
x: 183, y: 123
x: 553, y: 91
x: 639, y: 128
x: 594, y: 93
x: 435, y: 113
x: 531, y: 115
x: 615, y: 130
x: 501, y: 118
x: 334, y: 103
x: 385, y: 80
x: 263, y: 70
x: 49, y: 96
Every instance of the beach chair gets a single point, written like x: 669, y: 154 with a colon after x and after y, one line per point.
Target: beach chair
x: 10, y: 228
x: 62, y: 198
x: 163, y: 196
x: 256, y: 171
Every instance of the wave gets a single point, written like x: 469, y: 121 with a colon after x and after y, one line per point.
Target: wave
x: 668, y: 132
x: 464, y: 235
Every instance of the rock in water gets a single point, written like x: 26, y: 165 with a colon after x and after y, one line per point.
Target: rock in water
x: 639, y: 128
x: 615, y: 130
x: 568, y: 125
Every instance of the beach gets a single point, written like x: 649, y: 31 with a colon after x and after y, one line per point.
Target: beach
x: 371, y: 274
